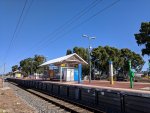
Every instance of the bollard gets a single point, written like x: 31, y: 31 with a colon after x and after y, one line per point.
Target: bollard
x: 111, y: 72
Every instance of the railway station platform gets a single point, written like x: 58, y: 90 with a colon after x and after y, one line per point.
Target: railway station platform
x: 100, y: 95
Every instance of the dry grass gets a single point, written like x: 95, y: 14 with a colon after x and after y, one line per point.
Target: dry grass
x: 10, y: 103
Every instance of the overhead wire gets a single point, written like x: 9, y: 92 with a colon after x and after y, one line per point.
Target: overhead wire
x: 16, y: 28
x: 66, y: 24
x: 25, y: 15
x: 23, y: 18
x: 75, y: 18
x: 91, y: 17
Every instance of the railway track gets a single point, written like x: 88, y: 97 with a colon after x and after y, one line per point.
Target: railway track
x: 39, y: 104
x: 59, y: 104
x: 62, y: 104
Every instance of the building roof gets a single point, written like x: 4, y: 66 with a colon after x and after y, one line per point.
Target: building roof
x: 72, y: 58
x: 17, y: 71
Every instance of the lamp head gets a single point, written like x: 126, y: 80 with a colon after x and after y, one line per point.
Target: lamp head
x: 84, y: 35
x: 92, y: 37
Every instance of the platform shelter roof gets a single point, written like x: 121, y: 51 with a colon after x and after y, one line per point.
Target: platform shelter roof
x: 68, y: 59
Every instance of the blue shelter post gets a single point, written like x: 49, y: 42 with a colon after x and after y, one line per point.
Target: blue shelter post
x: 80, y: 73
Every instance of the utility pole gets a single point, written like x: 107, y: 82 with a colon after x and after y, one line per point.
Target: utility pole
x: 149, y: 67
x: 32, y: 71
x: 89, y: 38
x: 3, y: 77
x: 31, y: 66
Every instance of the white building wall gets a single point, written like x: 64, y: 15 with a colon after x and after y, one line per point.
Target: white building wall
x: 70, y: 75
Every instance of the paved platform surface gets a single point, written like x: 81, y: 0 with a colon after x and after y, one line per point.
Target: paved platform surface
x: 119, y: 86
x: 126, y: 85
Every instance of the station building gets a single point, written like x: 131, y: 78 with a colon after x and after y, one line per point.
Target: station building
x: 66, y: 68
x: 17, y: 74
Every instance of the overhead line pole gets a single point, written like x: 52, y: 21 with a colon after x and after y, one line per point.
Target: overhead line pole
x: 3, y: 77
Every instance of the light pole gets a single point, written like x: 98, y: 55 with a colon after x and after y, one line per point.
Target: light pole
x: 89, y: 38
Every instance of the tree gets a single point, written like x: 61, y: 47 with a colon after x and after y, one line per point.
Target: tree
x: 102, y: 56
x: 83, y: 53
x: 14, y: 68
x: 31, y: 65
x: 119, y: 57
x: 69, y: 51
x: 38, y: 60
x: 26, y: 66
x: 143, y: 38
x: 114, y: 55
x: 137, y: 61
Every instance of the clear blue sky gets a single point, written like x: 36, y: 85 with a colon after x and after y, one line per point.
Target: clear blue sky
x: 114, y: 27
